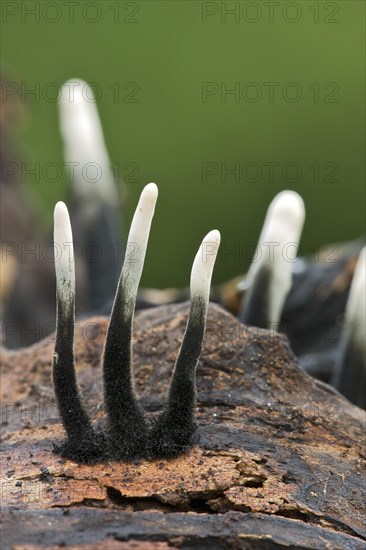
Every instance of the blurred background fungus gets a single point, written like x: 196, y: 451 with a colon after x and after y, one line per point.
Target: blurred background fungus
x: 222, y: 104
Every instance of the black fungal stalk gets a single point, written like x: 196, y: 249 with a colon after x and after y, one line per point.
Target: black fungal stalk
x: 172, y: 431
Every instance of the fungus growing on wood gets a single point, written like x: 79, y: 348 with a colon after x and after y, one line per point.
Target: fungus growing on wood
x: 128, y: 433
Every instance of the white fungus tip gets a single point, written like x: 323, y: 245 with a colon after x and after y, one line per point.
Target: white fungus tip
x: 64, y: 254
x: 137, y: 244
x: 78, y: 111
x: 73, y: 92
x: 279, y: 239
x: 203, y: 265
x: 277, y: 249
x: 149, y: 194
x: 289, y: 201
x: 62, y: 227
x: 356, y: 310
x: 140, y: 225
x: 285, y: 218
x: 85, y: 152
x: 281, y: 233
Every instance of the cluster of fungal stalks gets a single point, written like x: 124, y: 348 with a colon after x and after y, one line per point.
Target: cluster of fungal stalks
x: 128, y: 433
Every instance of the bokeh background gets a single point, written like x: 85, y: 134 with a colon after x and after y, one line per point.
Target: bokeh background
x: 150, y: 62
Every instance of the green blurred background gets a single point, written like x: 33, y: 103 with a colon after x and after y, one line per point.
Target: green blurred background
x: 160, y: 54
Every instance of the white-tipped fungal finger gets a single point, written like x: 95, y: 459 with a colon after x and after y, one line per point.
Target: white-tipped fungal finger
x: 270, y: 274
x: 126, y: 423
x: 350, y: 373
x: 81, y: 441
x: 80, y: 124
x: 137, y: 244
x: 203, y: 265
x: 84, y: 146
x: 280, y: 236
x: 64, y: 256
x: 282, y: 230
x: 356, y: 304
x: 285, y: 218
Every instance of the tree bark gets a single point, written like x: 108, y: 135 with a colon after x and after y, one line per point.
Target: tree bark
x: 278, y: 459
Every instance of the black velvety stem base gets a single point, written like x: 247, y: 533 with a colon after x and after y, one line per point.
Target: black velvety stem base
x: 82, y: 442
x: 350, y: 374
x: 171, y: 433
x: 255, y: 310
x: 126, y: 425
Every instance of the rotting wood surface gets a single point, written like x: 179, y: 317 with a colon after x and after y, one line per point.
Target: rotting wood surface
x: 278, y: 459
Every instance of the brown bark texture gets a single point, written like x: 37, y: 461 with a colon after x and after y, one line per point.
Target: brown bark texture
x: 278, y: 459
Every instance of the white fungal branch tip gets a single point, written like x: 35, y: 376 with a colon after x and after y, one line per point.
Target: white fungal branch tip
x: 64, y: 255
x: 283, y: 225
x: 279, y: 243
x: 137, y: 240
x: 79, y: 120
x: 356, y: 310
x: 203, y: 265
x: 84, y: 146
x: 269, y: 277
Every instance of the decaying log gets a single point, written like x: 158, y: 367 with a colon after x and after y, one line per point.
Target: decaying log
x: 278, y: 459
